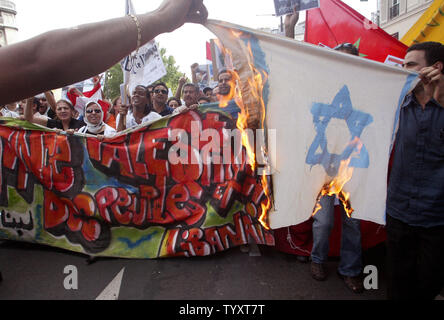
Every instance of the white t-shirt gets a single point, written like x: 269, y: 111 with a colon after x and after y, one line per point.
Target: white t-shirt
x: 8, y: 113
x: 131, y: 122
x: 109, y: 131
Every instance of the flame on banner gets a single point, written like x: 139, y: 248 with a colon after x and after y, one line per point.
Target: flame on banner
x: 335, y: 187
x: 256, y: 81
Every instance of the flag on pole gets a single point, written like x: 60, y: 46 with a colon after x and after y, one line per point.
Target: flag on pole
x: 319, y: 102
x: 142, y: 67
x: 335, y: 23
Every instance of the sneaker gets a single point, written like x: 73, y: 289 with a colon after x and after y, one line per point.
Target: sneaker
x: 353, y: 283
x: 318, y: 271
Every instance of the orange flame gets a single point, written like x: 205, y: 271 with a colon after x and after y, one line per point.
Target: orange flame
x: 335, y: 187
x: 256, y: 82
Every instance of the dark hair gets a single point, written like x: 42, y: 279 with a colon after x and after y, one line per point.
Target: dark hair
x: 347, y: 47
x: 140, y: 86
x: 189, y: 84
x: 231, y: 72
x: 66, y: 102
x: 36, y: 101
x: 204, y: 98
x: 174, y: 99
x: 207, y: 89
x: 160, y: 83
x: 433, y: 52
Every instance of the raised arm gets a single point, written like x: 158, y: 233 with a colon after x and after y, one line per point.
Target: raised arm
x: 121, y: 123
x: 290, y: 22
x: 116, y: 38
x: 182, y: 82
x: 29, y: 114
x: 194, y: 68
x: 51, y: 100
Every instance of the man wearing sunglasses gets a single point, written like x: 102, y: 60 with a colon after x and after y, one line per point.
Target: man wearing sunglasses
x: 160, y: 98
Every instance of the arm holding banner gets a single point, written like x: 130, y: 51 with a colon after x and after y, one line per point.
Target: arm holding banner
x: 115, y: 37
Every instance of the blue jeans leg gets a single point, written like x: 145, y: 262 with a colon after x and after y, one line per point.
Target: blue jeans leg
x: 323, y: 222
x: 351, y: 249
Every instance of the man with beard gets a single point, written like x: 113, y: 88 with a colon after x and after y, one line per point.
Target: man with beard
x: 226, y: 90
x: 140, y: 113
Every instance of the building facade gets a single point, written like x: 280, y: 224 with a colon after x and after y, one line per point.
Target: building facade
x: 8, y: 26
x: 396, y: 17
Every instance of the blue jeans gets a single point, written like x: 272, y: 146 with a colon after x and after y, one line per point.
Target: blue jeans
x: 351, y: 251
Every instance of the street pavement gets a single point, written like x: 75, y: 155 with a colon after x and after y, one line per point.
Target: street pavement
x: 40, y: 272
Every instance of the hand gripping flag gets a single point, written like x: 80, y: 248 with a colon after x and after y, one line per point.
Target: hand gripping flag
x: 319, y: 102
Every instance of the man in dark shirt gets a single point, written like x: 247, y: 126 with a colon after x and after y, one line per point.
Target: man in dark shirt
x: 415, y: 198
x: 160, y: 98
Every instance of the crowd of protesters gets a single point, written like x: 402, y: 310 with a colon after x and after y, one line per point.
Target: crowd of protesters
x: 92, y: 113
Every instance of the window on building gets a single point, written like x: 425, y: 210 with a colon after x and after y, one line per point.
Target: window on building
x: 394, y: 9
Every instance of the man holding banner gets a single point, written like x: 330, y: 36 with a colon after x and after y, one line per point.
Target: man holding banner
x: 415, y: 197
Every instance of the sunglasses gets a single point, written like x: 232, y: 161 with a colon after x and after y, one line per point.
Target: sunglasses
x: 94, y: 110
x: 159, y: 91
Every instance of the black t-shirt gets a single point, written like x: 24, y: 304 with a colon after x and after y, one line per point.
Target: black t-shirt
x: 73, y: 124
x: 51, y: 114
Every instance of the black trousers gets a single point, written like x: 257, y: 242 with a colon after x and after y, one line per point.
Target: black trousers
x: 415, y: 261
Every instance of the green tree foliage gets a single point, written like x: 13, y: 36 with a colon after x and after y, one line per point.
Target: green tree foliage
x: 173, y: 74
x: 114, y: 76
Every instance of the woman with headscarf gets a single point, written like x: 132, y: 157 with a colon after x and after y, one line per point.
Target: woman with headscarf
x: 93, y: 117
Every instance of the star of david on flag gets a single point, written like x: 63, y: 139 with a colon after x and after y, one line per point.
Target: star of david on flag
x: 341, y: 108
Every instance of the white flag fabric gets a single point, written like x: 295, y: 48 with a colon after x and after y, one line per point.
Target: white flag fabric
x: 319, y: 101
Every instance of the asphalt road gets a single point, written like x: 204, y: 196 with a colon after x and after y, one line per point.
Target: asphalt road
x: 37, y: 272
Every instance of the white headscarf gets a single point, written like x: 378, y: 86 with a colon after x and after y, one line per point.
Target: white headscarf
x: 93, y: 128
